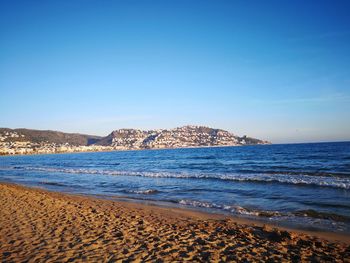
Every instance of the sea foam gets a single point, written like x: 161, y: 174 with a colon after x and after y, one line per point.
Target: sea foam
x: 297, y: 179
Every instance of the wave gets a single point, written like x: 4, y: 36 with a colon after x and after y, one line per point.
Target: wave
x: 143, y: 192
x: 53, y: 184
x: 207, y: 157
x: 322, y: 215
x: 203, y: 165
x: 296, y: 179
x: 326, y: 205
x: 287, y: 172
x: 108, y: 163
x: 232, y: 209
x: 326, y: 174
x: 235, y: 209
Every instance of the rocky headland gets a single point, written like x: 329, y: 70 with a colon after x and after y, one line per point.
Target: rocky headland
x: 26, y: 141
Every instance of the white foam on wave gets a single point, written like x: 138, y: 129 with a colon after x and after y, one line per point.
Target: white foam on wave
x: 305, y: 220
x: 195, y: 203
x: 236, y: 209
x: 288, y: 217
x: 302, y: 179
x: 143, y: 192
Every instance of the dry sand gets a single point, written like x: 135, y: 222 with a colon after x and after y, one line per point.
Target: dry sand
x: 38, y: 226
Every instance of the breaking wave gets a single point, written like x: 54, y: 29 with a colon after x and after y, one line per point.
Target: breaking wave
x: 275, y: 177
x: 236, y: 209
x: 143, y: 192
x: 232, y: 209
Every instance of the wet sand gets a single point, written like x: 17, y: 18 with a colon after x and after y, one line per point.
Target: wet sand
x: 37, y: 226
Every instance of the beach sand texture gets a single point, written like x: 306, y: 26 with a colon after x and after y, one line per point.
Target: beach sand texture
x: 42, y: 226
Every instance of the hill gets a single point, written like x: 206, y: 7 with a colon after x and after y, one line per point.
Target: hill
x: 187, y: 136
x: 25, y: 141
x: 47, y: 136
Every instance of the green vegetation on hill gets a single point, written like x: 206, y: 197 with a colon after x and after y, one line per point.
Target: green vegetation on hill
x: 38, y: 136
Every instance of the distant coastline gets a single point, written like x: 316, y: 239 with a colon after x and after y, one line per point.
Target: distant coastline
x: 26, y: 141
x: 127, y: 150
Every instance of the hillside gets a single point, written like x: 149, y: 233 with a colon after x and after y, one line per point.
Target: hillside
x: 27, y: 141
x: 187, y: 136
x: 47, y: 136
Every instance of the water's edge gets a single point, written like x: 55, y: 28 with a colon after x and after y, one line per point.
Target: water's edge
x: 328, y: 235
x: 303, y: 185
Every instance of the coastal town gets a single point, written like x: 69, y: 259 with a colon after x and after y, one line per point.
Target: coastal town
x: 9, y: 146
x: 182, y: 137
x: 25, y: 141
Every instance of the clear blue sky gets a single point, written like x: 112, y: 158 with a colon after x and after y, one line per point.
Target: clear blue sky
x: 277, y: 70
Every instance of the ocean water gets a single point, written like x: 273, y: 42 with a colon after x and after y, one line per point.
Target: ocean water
x: 298, y: 185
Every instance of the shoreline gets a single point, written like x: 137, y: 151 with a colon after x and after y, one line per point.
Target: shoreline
x: 332, y: 235
x: 127, y: 150
x: 281, y: 225
x: 44, y: 225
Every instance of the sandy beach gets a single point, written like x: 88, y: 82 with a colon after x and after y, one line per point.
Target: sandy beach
x: 37, y: 226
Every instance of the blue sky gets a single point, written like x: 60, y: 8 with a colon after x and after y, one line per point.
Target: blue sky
x: 277, y: 70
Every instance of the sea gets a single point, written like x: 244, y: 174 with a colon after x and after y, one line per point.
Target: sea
x: 305, y: 186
